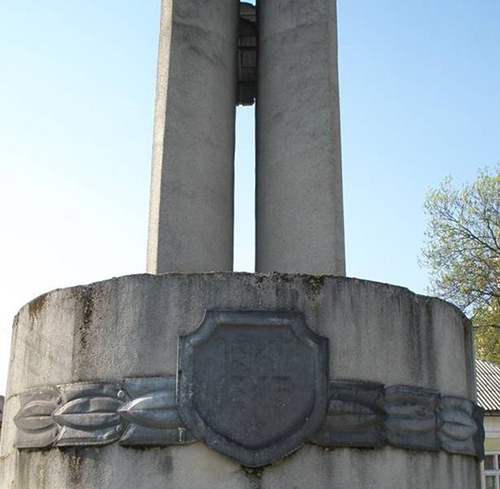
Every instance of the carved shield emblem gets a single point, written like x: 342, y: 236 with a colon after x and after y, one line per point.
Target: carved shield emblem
x: 253, y: 385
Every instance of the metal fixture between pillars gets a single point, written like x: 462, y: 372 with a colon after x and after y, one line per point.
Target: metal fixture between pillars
x: 247, y: 55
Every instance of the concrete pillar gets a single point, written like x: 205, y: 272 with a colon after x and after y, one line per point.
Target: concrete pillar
x: 191, y: 210
x: 299, y: 177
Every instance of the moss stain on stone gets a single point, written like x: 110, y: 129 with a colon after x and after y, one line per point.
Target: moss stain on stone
x: 36, y: 306
x: 254, y: 476
x: 314, y: 285
x: 87, y: 313
x: 259, y: 279
x: 285, y: 278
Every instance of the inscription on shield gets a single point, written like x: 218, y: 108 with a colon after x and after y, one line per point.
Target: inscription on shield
x: 253, y: 385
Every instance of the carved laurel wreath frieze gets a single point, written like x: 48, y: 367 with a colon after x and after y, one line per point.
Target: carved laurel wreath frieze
x: 144, y: 412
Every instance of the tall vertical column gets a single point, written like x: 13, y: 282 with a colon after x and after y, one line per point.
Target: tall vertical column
x: 299, y: 203
x: 191, y: 208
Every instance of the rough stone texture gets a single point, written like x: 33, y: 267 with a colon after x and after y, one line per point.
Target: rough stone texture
x: 299, y: 225
x: 128, y: 327
x: 191, y: 209
x: 2, y: 400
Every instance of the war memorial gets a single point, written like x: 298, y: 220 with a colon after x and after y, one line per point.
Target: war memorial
x: 195, y: 377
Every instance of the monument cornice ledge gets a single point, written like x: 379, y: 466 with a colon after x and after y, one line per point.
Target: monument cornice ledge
x: 315, y: 280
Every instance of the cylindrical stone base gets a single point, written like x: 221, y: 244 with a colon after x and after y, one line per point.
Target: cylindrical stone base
x: 129, y: 328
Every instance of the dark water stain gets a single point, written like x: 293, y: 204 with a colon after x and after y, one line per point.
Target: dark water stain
x: 36, y: 306
x: 314, y: 285
x: 87, y: 313
x: 31, y: 469
x: 254, y: 476
x: 75, y: 466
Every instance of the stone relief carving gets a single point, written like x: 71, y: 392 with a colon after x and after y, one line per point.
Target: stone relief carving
x: 355, y: 416
x: 252, y: 385
x: 35, y: 423
x: 143, y: 412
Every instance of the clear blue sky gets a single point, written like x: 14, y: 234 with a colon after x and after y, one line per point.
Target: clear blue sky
x: 420, y: 96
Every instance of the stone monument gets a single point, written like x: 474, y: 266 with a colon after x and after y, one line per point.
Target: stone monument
x: 193, y: 376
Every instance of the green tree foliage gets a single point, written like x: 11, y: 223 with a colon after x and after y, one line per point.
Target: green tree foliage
x: 462, y: 252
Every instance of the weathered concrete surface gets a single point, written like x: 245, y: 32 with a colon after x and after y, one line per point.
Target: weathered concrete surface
x: 191, y: 208
x: 299, y: 224
x: 128, y: 327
